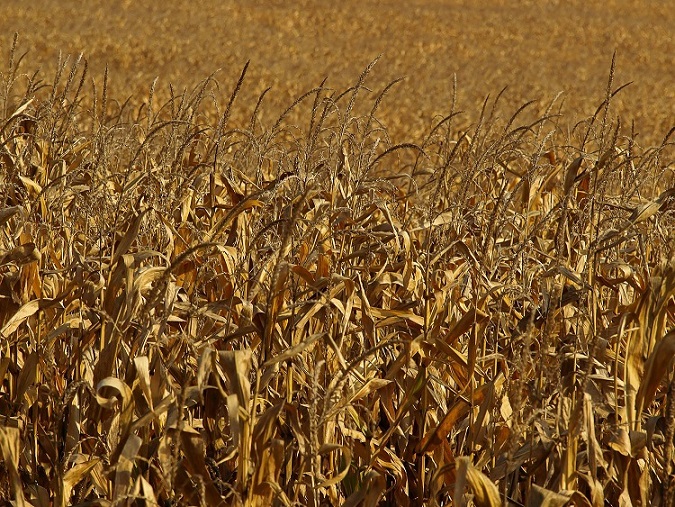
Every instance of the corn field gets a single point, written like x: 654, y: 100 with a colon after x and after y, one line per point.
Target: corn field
x: 203, y: 305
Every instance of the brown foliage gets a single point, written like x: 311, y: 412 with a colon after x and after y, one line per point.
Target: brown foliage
x: 197, y: 312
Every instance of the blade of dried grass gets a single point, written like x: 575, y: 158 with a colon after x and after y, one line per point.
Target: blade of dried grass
x: 484, y: 490
x: 144, y: 490
x: 346, y: 460
x: 27, y: 377
x: 237, y: 366
x: 471, y: 318
x: 291, y: 352
x: 655, y: 369
x: 568, y: 477
x: 193, y: 447
x: 72, y: 478
x: 124, y: 466
x: 142, y: 364
x: 10, y: 439
x: 267, y: 472
x: 460, y: 409
x: 112, y: 403
x: 129, y: 237
x: 20, y: 255
x: 19, y: 317
x: 541, y: 497
x: 370, y: 494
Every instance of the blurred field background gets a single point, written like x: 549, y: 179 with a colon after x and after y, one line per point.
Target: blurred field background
x: 535, y: 48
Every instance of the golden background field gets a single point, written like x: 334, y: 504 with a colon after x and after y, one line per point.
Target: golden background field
x: 534, y: 48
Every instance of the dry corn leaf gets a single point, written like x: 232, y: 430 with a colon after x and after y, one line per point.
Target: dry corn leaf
x: 458, y: 411
x: 541, y: 497
x: 28, y: 376
x: 345, y: 459
x: 23, y: 254
x: 124, y: 466
x: 237, y: 366
x: 485, y: 491
x: 275, y: 302
x: 34, y: 188
x: 7, y: 213
x: 142, y: 364
x: 459, y: 363
x: 192, y: 446
x: 628, y: 443
x: 73, y: 477
x: 472, y: 317
x: 266, y: 476
x: 143, y: 282
x: 291, y: 352
x: 393, y: 316
x: 4, y: 365
x: 568, y: 473
x: 597, y: 492
x: 21, y: 315
x: 18, y: 112
x: 237, y: 416
x: 644, y: 211
x: 442, y: 219
x: 143, y: 489
x: 370, y: 386
x: 370, y: 494
x: 73, y: 425
x: 10, y: 448
x: 595, y: 457
x: 389, y: 464
x: 129, y: 236
x: 571, y: 174
x: 125, y: 405
x: 655, y: 369
x: 530, y: 452
x: 155, y: 414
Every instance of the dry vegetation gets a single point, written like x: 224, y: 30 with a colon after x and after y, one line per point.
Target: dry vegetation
x: 536, y: 48
x: 196, y: 310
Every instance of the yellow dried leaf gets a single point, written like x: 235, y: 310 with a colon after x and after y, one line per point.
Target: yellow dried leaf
x: 23, y: 254
x: 540, y: 497
x: 237, y: 366
x: 346, y: 459
x: 32, y: 186
x: 129, y: 237
x: 371, y: 386
x: 7, y: 213
x: 142, y: 364
x: 484, y: 490
x: 295, y: 350
x: 19, y: 317
x: 655, y: 369
x: 112, y: 403
x: 9, y: 449
x: 28, y: 375
x: 125, y: 464
x: 571, y: 174
x: 644, y: 211
x: 73, y: 477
